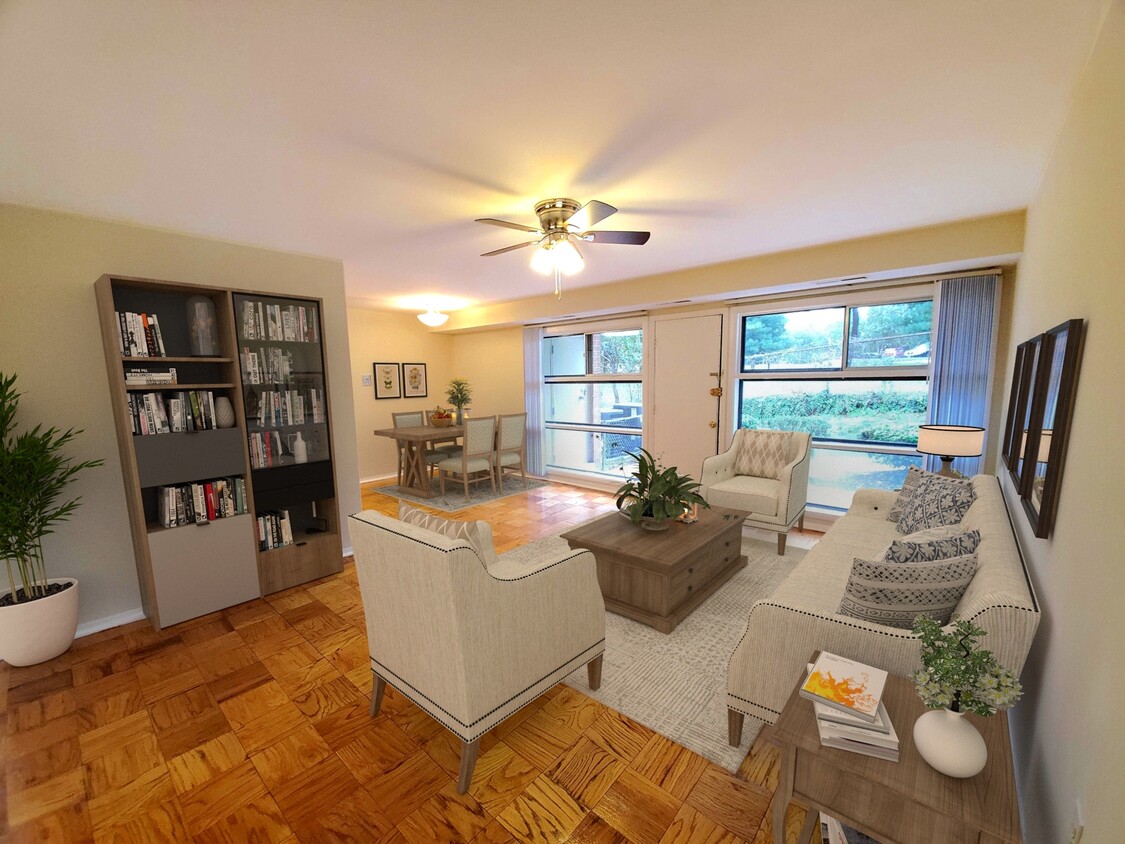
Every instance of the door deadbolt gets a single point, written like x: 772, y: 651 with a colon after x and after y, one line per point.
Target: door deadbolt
x: 712, y: 424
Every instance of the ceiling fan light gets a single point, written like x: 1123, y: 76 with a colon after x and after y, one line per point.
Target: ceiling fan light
x: 567, y: 257
x: 542, y: 261
x: 433, y: 318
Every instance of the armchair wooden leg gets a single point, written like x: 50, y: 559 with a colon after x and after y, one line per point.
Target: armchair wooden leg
x: 734, y: 727
x: 594, y: 672
x: 801, y: 521
x: 468, y: 762
x: 781, y: 544
x: 378, y: 686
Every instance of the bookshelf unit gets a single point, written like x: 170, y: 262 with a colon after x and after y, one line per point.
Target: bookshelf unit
x: 199, y: 566
x: 196, y: 546
x: 285, y: 405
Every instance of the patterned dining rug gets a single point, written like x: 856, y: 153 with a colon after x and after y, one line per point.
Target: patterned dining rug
x: 676, y: 684
x: 454, y: 498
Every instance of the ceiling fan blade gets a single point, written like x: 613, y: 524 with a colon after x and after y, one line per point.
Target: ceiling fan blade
x: 518, y: 226
x: 508, y: 248
x: 631, y: 238
x: 590, y: 214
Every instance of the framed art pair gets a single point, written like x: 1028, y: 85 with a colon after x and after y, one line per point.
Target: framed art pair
x: 400, y: 381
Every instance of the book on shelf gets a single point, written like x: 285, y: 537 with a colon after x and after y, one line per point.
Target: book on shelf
x: 275, y: 529
x: 286, y: 323
x: 174, y: 412
x: 846, y: 685
x: 144, y: 376
x: 200, y: 501
x: 139, y: 335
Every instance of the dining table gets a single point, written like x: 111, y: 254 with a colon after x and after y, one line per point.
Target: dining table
x: 414, y: 439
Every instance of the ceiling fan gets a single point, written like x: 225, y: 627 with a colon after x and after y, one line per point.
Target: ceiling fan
x: 563, y: 222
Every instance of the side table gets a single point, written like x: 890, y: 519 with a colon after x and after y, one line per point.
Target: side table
x: 904, y: 802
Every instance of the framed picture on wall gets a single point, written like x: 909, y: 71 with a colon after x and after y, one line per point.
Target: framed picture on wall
x: 388, y: 384
x: 414, y: 381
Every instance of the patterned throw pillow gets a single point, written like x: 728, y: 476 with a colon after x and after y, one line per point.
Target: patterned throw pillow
x: 477, y: 534
x: 926, y: 546
x: 909, y: 487
x: 894, y: 594
x: 937, y: 501
x: 762, y: 454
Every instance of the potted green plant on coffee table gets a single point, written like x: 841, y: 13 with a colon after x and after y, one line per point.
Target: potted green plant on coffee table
x: 655, y: 494
x: 38, y: 615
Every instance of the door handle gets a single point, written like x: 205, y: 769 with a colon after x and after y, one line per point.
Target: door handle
x: 712, y: 424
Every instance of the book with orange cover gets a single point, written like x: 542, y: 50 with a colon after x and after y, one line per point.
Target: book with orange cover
x: 846, y: 685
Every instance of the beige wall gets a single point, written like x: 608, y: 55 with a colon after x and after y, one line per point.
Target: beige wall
x: 50, y: 338
x: 1068, y: 729
x: 395, y: 337
x: 493, y: 363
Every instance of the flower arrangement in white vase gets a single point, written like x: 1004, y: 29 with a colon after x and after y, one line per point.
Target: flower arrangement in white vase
x: 957, y: 676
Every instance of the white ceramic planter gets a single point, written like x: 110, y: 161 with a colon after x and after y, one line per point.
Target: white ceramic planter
x: 37, y: 631
x: 949, y: 743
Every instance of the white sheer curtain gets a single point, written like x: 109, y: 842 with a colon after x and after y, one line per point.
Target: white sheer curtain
x: 533, y: 391
x: 964, y: 353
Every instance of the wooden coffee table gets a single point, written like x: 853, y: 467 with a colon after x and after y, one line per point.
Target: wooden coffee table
x: 659, y: 577
x: 904, y: 802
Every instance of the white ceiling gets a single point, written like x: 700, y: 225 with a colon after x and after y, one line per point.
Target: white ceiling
x: 375, y: 132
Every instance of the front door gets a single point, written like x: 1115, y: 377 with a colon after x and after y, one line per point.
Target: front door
x: 687, y: 365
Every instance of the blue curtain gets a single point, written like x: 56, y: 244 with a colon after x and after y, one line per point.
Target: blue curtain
x: 533, y: 392
x: 963, y: 358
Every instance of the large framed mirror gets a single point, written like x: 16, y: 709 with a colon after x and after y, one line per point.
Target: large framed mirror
x: 1044, y: 437
x: 1019, y: 406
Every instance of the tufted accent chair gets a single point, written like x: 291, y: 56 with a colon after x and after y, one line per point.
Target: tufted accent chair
x: 775, y: 503
x: 471, y: 640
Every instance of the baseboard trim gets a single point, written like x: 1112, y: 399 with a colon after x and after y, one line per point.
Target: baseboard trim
x: 100, y: 624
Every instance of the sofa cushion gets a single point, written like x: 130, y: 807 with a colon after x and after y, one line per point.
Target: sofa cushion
x: 909, y: 487
x: 744, y: 492
x: 936, y: 502
x: 762, y: 454
x: 894, y: 594
x: 477, y: 534
x: 926, y: 546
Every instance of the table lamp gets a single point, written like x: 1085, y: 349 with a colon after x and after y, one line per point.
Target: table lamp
x: 1044, y: 445
x: 949, y: 441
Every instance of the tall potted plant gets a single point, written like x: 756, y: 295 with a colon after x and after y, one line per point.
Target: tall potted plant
x: 656, y: 494
x: 38, y: 615
x: 459, y: 394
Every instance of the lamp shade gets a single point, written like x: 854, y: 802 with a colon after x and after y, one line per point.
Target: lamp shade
x: 1044, y: 445
x: 557, y: 256
x: 951, y: 440
x: 433, y: 318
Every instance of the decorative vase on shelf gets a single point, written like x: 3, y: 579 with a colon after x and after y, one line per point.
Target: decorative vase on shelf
x: 949, y: 743
x: 224, y: 412
x: 300, y: 449
x: 201, y: 325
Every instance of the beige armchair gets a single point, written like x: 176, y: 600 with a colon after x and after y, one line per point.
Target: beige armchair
x: 469, y: 637
x: 764, y: 472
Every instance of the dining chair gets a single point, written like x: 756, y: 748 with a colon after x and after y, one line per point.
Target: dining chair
x: 476, y: 457
x: 447, y: 446
x: 510, y: 438
x: 412, y: 419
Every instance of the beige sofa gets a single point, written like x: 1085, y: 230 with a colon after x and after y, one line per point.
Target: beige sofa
x: 800, y: 617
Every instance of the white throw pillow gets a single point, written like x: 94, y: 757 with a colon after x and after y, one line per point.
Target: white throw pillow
x: 927, y: 546
x: 894, y: 594
x: 477, y: 534
x: 762, y: 454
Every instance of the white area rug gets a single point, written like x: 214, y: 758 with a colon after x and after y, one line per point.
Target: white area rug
x: 676, y: 684
x: 454, y: 498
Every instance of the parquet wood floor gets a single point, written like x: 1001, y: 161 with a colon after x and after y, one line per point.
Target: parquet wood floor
x: 252, y: 724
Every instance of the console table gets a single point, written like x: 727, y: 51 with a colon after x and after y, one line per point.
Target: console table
x: 659, y: 577
x: 904, y: 802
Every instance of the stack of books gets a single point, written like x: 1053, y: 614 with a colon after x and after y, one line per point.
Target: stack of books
x: 850, y: 715
x: 834, y: 832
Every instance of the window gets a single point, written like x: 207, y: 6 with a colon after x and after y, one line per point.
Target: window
x: 592, y: 400
x: 853, y: 376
